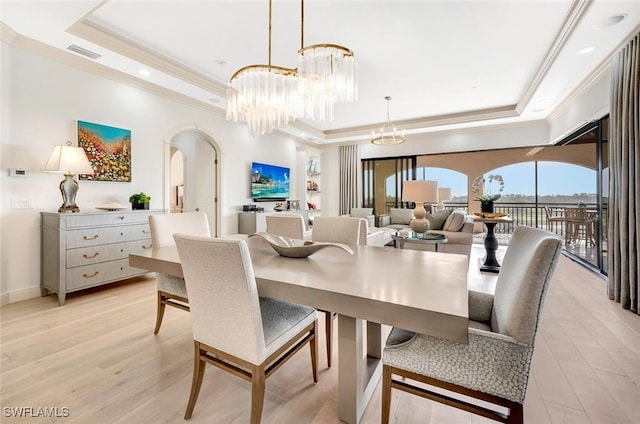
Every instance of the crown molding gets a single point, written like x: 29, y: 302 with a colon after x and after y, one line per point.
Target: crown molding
x: 103, y: 37
x: 87, y: 65
x: 7, y: 34
x: 576, y: 12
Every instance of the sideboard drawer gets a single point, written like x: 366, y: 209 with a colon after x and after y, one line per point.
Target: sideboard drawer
x: 105, y: 235
x: 96, y: 274
x: 92, y: 219
x: 105, y: 252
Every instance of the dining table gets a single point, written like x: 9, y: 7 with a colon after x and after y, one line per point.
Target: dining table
x: 420, y: 291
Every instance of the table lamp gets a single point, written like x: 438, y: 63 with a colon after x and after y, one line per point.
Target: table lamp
x: 68, y: 159
x: 444, y: 193
x: 419, y: 192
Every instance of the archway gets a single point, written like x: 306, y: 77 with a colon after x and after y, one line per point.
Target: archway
x: 196, y: 189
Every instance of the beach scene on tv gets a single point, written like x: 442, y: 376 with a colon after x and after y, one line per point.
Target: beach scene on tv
x: 269, y: 181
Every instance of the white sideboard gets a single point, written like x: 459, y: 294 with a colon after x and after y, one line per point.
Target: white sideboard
x: 89, y: 249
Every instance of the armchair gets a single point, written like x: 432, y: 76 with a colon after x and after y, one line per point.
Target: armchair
x: 494, y: 365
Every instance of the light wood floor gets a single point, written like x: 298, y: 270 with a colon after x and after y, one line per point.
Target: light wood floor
x: 98, y: 357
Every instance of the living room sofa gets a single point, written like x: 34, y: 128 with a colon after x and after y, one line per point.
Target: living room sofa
x: 455, y: 224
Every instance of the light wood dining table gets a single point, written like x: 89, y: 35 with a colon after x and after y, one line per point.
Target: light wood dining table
x: 425, y: 292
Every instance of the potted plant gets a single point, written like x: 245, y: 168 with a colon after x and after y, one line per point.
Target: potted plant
x: 486, y: 200
x: 139, y: 201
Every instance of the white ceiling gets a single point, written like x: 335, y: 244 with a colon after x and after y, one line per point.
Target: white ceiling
x: 444, y: 63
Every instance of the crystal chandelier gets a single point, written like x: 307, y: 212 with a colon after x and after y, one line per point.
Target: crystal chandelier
x: 261, y: 95
x: 388, y: 134
x: 327, y: 74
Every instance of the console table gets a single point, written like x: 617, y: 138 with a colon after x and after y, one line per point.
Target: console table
x: 491, y: 244
x: 89, y: 249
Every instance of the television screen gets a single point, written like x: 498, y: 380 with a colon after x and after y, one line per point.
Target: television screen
x: 269, y: 182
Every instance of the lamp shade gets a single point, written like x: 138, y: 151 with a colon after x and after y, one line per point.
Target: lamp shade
x: 420, y: 191
x: 68, y: 159
x: 444, y: 193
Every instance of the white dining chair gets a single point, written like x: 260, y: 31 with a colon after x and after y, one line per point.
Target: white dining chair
x: 288, y: 225
x: 171, y: 290
x: 233, y: 328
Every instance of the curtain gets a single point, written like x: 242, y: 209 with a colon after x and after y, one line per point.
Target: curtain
x: 624, y: 181
x: 348, y: 178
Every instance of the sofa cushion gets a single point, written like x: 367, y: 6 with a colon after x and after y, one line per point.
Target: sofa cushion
x: 401, y: 216
x: 438, y: 218
x: 455, y: 221
x: 361, y: 212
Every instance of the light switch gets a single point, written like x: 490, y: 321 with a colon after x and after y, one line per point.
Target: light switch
x: 24, y: 203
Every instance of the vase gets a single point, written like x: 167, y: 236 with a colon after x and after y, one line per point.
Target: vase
x: 486, y: 206
x: 138, y: 205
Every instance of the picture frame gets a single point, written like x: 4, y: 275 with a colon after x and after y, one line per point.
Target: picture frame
x: 108, y: 150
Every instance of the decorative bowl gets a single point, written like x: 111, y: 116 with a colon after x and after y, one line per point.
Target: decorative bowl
x: 293, y: 248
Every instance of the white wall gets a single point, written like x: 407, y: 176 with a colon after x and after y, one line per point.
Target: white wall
x: 41, y: 101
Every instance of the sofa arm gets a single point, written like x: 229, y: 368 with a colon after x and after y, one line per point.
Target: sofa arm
x: 384, y: 220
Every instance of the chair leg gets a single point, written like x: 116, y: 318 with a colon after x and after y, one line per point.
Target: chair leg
x: 198, y: 373
x: 329, y: 335
x: 386, y: 394
x: 313, y: 347
x: 516, y: 415
x: 159, y: 313
x: 257, y: 393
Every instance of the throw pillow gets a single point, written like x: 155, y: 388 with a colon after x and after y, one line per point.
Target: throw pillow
x: 455, y: 221
x: 401, y: 216
x: 438, y: 218
x: 361, y: 212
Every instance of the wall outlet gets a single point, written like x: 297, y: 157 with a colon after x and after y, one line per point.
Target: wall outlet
x: 25, y: 203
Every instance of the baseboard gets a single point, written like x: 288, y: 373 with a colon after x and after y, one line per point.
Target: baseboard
x: 19, y: 295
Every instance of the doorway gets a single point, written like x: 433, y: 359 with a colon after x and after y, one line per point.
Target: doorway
x: 193, y: 176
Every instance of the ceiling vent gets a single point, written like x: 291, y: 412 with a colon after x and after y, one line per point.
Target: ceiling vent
x: 84, y: 52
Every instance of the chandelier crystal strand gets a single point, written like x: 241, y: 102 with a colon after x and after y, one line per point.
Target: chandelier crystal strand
x: 327, y: 74
x: 262, y: 95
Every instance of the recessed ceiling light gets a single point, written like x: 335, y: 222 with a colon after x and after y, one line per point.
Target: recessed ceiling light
x: 611, y: 20
x: 144, y: 72
x: 586, y: 50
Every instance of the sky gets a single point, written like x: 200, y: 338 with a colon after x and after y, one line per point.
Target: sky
x: 553, y: 178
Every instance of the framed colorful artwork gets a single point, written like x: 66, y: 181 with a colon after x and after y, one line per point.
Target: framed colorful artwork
x: 108, y: 150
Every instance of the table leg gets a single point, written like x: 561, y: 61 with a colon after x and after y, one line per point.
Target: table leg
x: 358, y: 374
x: 490, y: 264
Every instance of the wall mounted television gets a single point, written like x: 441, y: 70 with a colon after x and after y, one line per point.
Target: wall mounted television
x: 269, y: 183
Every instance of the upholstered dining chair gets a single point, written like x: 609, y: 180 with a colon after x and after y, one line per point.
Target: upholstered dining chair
x: 338, y: 229
x: 288, y: 225
x: 233, y: 328
x: 494, y: 366
x: 171, y: 290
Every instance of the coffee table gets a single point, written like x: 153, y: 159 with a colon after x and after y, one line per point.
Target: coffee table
x: 429, y: 238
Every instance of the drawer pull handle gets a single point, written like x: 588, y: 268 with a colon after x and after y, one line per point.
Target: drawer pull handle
x: 90, y: 276
x: 91, y: 238
x: 84, y: 255
x: 145, y: 232
x: 121, y: 217
x: 144, y: 246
